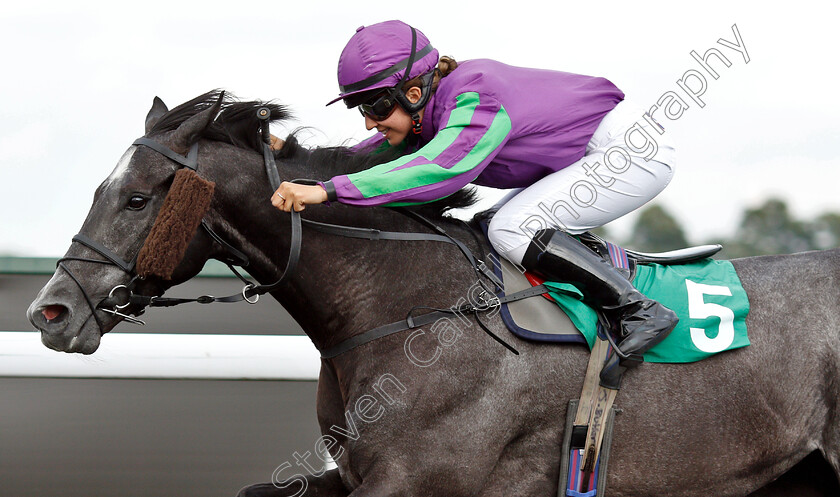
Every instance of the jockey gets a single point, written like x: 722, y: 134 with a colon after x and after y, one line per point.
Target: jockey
x: 542, y: 133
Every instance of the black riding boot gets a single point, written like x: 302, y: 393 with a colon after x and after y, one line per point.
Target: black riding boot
x: 637, y: 322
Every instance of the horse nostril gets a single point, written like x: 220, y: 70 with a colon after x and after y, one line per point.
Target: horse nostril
x: 52, y: 312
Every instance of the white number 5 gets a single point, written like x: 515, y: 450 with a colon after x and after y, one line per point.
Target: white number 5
x: 698, y: 309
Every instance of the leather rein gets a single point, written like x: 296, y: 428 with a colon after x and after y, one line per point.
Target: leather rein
x: 122, y: 296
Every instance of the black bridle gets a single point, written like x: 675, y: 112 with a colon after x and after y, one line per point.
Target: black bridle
x: 122, y: 296
x: 112, y: 304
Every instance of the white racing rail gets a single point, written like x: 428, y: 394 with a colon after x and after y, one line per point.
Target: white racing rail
x: 165, y: 356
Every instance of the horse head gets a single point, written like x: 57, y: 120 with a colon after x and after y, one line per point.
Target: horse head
x: 141, y: 235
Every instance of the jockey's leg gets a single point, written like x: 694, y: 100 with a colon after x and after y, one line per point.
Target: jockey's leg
x: 639, y: 322
x: 620, y: 172
x: 627, y: 163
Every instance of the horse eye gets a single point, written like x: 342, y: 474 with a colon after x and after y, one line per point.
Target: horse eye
x: 136, y: 202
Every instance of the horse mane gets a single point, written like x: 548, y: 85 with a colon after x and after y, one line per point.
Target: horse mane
x: 237, y: 124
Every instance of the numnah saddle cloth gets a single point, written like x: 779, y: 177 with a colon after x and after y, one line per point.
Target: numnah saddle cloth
x: 706, y: 294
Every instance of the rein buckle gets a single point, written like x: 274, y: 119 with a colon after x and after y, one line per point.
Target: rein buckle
x: 485, y: 303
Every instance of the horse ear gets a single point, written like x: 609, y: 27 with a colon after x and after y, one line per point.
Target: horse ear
x: 155, y: 113
x: 192, y: 128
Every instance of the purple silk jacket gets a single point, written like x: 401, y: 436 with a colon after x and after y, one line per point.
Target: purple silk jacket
x: 489, y: 124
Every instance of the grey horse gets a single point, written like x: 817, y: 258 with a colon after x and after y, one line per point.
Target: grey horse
x: 446, y: 410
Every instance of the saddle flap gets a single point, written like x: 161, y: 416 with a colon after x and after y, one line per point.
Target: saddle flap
x: 539, y: 319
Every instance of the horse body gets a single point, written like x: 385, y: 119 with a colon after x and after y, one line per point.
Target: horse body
x: 723, y: 426
x: 447, y: 411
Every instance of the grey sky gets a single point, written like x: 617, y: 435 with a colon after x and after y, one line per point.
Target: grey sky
x: 79, y: 77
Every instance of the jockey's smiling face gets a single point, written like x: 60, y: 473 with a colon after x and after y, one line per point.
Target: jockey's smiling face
x: 398, y: 124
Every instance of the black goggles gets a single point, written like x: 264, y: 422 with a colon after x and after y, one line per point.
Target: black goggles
x: 379, y: 107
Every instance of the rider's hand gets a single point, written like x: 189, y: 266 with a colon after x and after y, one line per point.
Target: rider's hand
x: 275, y: 143
x: 291, y: 195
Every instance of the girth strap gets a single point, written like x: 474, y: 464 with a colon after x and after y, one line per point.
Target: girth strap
x: 416, y: 322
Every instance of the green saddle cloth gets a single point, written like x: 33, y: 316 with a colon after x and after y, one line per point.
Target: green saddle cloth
x: 706, y: 295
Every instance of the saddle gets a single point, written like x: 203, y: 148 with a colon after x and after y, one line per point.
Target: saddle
x: 541, y: 319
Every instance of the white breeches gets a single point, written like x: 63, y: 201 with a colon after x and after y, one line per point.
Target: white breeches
x: 627, y: 163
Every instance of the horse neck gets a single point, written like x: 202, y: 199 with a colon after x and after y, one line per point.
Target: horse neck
x: 342, y: 286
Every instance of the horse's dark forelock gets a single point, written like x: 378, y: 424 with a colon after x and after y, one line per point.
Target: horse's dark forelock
x: 238, y: 125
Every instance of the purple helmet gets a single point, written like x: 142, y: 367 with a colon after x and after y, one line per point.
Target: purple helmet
x: 377, y: 55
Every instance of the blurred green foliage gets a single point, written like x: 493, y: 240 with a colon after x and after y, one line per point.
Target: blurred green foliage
x: 767, y: 229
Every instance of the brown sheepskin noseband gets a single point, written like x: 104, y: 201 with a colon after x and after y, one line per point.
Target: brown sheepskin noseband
x: 183, y: 208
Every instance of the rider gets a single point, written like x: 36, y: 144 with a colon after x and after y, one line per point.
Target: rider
x: 544, y: 133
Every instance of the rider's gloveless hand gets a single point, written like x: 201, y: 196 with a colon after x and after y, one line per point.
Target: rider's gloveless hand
x: 292, y: 195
